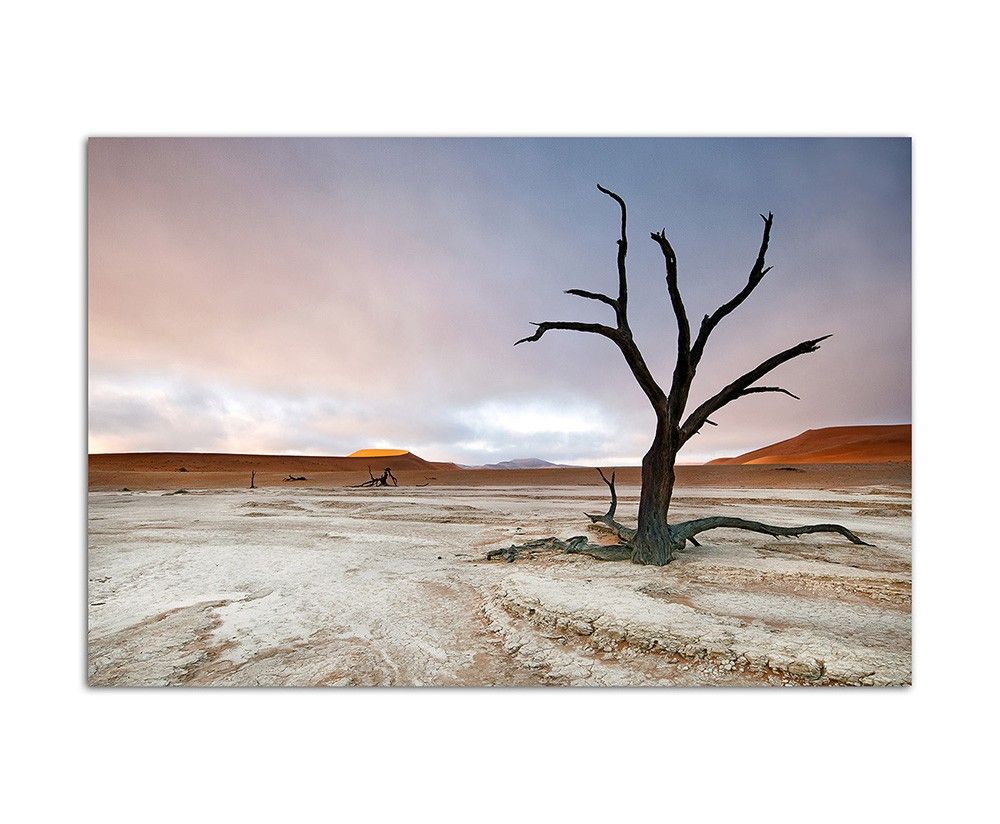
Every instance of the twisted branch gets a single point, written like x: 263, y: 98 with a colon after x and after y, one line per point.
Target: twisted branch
x: 742, y: 386
x: 621, y: 334
x: 608, y: 519
x: 577, y: 545
x: 688, y: 529
x: 755, y: 389
x: 681, y: 382
x: 621, y: 310
x: 595, y: 328
x: 381, y: 480
x: 756, y: 276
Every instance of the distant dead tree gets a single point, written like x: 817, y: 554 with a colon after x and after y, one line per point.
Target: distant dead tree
x: 381, y: 480
x: 253, y: 474
x: 655, y: 540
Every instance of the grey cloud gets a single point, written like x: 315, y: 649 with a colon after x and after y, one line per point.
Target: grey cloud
x: 326, y: 295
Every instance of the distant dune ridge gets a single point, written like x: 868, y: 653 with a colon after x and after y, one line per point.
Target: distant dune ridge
x: 835, y: 444
x: 395, y: 459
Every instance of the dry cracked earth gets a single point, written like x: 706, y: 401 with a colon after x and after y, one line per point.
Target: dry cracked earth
x: 320, y: 587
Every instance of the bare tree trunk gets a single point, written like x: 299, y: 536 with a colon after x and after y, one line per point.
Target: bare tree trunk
x: 653, y: 543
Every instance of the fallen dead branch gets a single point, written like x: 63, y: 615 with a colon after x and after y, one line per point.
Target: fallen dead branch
x: 381, y: 480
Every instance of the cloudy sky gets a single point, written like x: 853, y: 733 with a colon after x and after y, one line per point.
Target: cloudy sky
x: 324, y: 295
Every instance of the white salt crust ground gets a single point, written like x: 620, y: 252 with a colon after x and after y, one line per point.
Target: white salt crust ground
x: 277, y: 587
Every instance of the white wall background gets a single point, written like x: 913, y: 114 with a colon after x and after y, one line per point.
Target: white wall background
x: 72, y: 70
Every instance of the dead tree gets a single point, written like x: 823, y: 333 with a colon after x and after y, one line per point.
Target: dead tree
x: 253, y: 474
x: 381, y: 480
x: 655, y: 540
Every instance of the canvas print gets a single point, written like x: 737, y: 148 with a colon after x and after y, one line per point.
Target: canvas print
x: 505, y: 412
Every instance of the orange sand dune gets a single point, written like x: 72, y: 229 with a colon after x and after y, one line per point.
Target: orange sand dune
x: 378, y: 453
x: 835, y: 444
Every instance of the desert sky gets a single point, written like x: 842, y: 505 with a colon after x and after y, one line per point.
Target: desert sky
x: 317, y: 296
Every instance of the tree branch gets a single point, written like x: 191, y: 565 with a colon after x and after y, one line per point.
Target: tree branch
x: 622, y: 334
x: 753, y: 390
x: 583, y: 293
x: 681, y: 382
x: 676, y: 301
x: 611, y: 487
x: 739, y: 387
x: 756, y: 276
x: 709, y: 422
x: 623, y: 532
x: 622, y: 308
x: 595, y: 328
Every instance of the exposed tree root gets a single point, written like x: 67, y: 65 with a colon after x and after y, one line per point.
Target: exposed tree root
x: 680, y: 534
x: 577, y: 545
x: 688, y: 529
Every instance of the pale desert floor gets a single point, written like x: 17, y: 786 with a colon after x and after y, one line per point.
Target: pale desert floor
x: 290, y: 587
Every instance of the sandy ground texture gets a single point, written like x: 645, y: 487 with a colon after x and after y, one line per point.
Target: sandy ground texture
x: 217, y: 472
x: 307, y: 586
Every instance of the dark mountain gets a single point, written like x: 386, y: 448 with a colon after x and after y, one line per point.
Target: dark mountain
x: 522, y: 463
